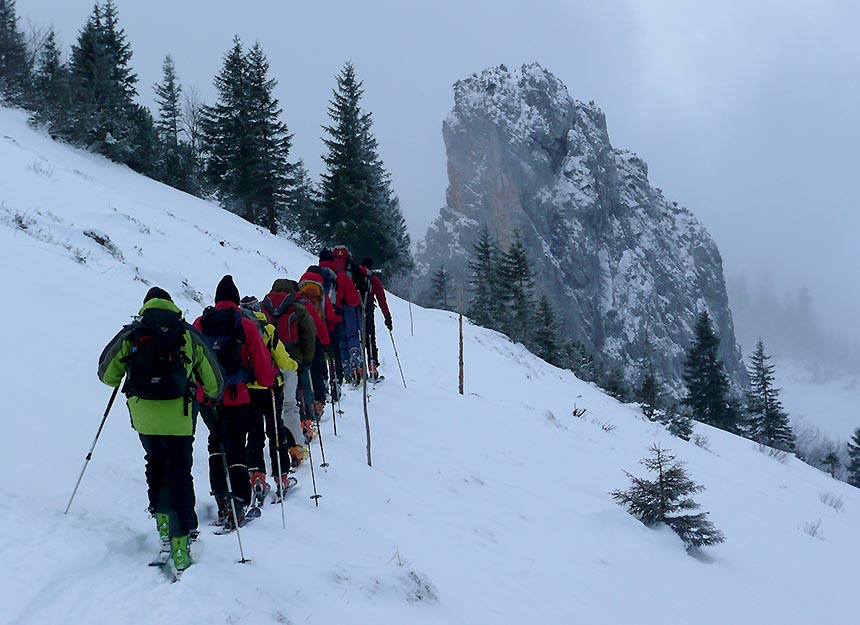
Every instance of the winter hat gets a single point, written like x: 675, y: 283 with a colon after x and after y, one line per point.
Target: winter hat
x: 326, y: 255
x: 227, y: 291
x: 283, y: 285
x: 367, y: 261
x: 156, y: 292
x: 249, y: 302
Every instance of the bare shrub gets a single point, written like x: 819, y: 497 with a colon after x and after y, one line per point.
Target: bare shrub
x: 780, y: 455
x: 104, y: 240
x: 813, y: 528
x: 833, y: 500
x: 579, y: 412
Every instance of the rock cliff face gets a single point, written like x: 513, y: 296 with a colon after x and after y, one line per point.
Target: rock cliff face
x: 624, y: 266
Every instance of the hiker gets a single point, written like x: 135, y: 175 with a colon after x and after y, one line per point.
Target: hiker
x: 345, y: 299
x: 312, y: 295
x: 267, y: 405
x: 377, y: 294
x: 297, y: 332
x: 244, y: 357
x: 161, y: 356
x: 350, y: 346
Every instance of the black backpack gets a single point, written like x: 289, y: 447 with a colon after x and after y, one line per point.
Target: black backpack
x: 225, y: 335
x: 156, y: 368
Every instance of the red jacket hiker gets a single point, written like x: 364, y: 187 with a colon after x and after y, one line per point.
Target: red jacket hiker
x: 315, y: 300
x: 377, y: 292
x: 346, y: 292
x: 255, y: 355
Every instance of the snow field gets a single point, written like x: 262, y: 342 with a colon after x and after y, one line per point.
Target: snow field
x: 492, y: 507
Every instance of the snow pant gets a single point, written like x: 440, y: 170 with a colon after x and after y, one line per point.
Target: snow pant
x: 262, y: 418
x: 305, y: 393
x: 350, y: 339
x: 318, y: 373
x: 170, y: 485
x: 290, y: 414
x: 370, y: 335
x: 228, y: 431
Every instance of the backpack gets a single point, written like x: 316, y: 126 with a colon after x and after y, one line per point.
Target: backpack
x: 284, y: 318
x: 223, y: 330
x: 156, y: 366
x: 329, y: 284
x: 260, y: 325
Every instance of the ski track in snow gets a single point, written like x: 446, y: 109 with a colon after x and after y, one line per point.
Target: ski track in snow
x: 487, y: 508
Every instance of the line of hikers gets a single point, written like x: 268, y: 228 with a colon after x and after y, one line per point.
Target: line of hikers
x: 254, y: 369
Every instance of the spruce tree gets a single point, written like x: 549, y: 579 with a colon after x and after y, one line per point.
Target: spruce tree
x: 614, y: 383
x: 103, y: 114
x: 854, y: 459
x: 667, y: 499
x: 707, y: 384
x: 175, y: 163
x: 832, y: 463
x: 15, y: 66
x: 228, y: 137
x: 51, y: 96
x: 545, y: 341
x: 768, y: 421
x: 650, y: 392
x: 516, y: 290
x: 300, y: 216
x: 581, y: 362
x: 272, y: 140
x: 358, y: 207
x: 482, y: 269
x: 439, y: 285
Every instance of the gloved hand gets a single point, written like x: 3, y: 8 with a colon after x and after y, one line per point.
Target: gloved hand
x: 389, y: 324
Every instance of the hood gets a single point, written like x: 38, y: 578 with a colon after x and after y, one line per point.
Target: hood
x: 160, y: 304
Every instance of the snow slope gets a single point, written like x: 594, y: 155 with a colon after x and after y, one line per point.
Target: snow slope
x: 487, y: 508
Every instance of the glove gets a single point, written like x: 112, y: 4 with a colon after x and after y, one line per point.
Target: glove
x: 389, y: 324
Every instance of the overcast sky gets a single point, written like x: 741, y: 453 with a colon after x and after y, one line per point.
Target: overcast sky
x: 745, y: 111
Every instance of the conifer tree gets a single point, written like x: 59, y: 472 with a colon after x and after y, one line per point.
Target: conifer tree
x: 515, y: 290
x: 667, y: 498
x: 439, y: 285
x: 300, y: 216
x: 581, y: 362
x: 650, y: 392
x: 482, y: 268
x: 358, y: 206
x: 51, y: 96
x: 15, y: 65
x: 175, y: 163
x: 545, y: 341
x: 854, y: 459
x: 832, y: 463
x: 613, y: 382
x: 228, y: 137
x: 707, y: 384
x: 272, y: 140
x: 768, y: 421
x: 103, y: 114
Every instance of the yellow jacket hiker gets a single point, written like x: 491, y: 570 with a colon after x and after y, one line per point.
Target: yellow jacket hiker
x: 163, y: 359
x: 267, y: 419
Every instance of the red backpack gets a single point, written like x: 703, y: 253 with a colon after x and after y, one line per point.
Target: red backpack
x: 280, y: 310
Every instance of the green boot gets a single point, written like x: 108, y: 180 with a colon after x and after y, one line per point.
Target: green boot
x: 162, y: 522
x: 180, y: 553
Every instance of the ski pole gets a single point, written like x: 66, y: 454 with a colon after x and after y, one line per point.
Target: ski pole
x: 229, y: 485
x: 332, y: 372
x: 92, y: 449
x: 277, y: 424
x: 322, y: 447
x: 316, y: 496
x: 363, y: 337
x: 396, y: 355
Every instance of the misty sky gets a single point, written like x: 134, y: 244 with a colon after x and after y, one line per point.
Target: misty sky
x: 745, y: 111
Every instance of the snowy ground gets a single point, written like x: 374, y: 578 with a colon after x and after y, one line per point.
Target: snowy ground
x: 487, y: 508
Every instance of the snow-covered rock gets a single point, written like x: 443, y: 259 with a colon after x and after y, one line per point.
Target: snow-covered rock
x: 623, y: 265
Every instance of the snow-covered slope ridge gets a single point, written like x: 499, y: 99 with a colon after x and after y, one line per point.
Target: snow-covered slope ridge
x: 488, y: 508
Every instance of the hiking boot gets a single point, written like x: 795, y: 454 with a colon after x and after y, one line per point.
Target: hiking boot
x: 180, y: 553
x: 223, y: 510
x: 229, y: 523
x: 259, y: 486
x: 318, y: 409
x: 162, y: 522
x: 297, y: 456
x: 308, y: 430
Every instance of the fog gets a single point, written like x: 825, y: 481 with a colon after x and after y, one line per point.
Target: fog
x: 746, y: 112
